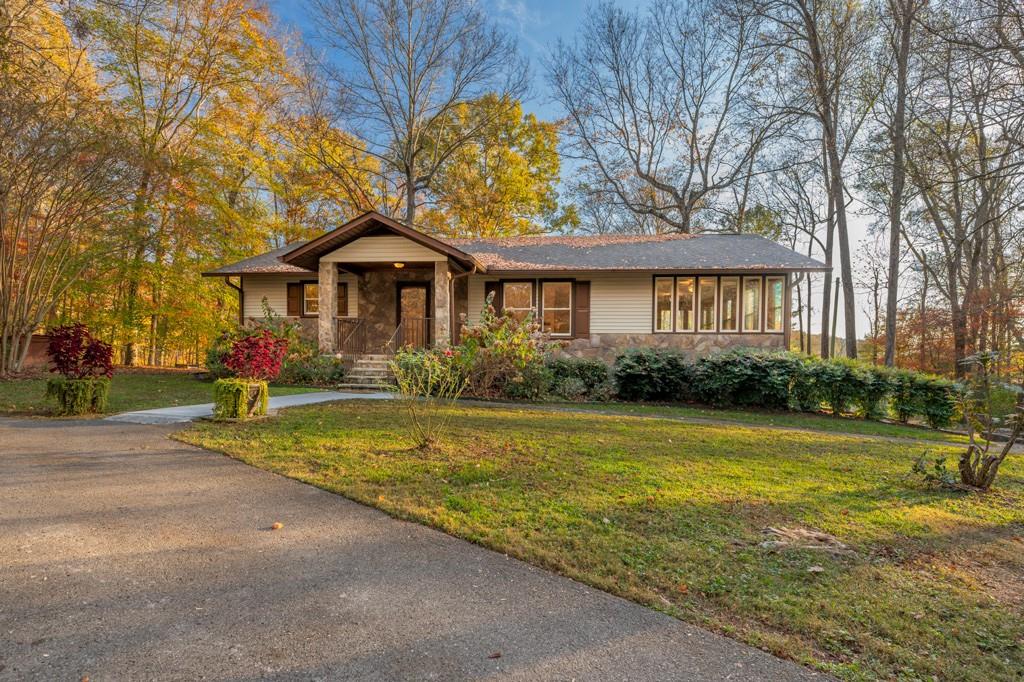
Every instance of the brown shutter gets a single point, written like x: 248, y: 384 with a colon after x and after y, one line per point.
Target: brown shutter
x: 581, y: 310
x: 294, y: 299
x: 493, y: 288
x: 342, y: 299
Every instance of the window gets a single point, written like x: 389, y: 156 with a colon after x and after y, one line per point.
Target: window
x: 663, y: 304
x: 730, y: 304
x: 686, y: 291
x: 310, y: 299
x: 751, y: 304
x: 556, y: 303
x: 517, y: 298
x: 774, y: 299
x: 707, y: 304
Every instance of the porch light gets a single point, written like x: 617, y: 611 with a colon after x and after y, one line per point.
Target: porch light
x: 399, y: 265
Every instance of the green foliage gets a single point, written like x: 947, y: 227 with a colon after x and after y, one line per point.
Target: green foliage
x: 936, y: 472
x: 239, y: 398
x: 79, y: 396
x: 749, y: 378
x: 652, y: 374
x: 318, y: 370
x: 913, y: 394
x: 506, y: 356
x: 429, y: 380
x: 580, y: 379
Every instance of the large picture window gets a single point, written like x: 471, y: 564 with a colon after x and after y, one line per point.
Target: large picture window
x: 517, y: 298
x: 663, y: 304
x: 556, y: 304
x: 310, y: 299
x: 708, y: 305
x: 686, y: 294
x: 730, y: 304
x: 774, y: 304
x: 751, y: 304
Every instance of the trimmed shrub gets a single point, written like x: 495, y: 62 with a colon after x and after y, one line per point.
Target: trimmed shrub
x: 239, y: 398
x: 318, y: 370
x: 580, y: 379
x: 749, y: 378
x: 652, y: 374
x: 79, y: 396
x: 914, y: 394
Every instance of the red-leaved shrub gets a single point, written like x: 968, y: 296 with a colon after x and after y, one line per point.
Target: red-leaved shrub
x: 257, y: 357
x: 77, y: 354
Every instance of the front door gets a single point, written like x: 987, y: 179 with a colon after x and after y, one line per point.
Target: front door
x: 413, y: 314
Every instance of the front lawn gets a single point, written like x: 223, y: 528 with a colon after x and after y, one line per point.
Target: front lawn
x: 131, y: 390
x: 672, y: 515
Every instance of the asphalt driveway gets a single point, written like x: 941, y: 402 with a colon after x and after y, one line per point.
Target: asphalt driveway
x: 125, y: 555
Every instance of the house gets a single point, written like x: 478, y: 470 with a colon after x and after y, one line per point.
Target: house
x: 373, y: 285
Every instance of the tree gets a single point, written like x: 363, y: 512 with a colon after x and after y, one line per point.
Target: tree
x: 399, y: 69
x: 62, y: 174
x: 503, y: 181
x: 173, y: 69
x: 666, y: 107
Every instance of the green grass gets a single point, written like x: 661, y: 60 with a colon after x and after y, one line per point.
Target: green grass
x: 672, y: 514
x: 796, y: 420
x: 128, y: 391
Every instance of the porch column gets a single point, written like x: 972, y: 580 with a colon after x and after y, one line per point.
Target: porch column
x: 326, y: 323
x: 442, y: 305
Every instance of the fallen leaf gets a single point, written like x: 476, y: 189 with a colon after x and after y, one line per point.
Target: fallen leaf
x: 815, y: 569
x: 496, y: 654
x: 277, y: 525
x: 683, y: 588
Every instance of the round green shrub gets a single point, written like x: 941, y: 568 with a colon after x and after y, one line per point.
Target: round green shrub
x: 79, y: 396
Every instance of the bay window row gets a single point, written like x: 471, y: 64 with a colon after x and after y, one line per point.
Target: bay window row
x: 728, y: 304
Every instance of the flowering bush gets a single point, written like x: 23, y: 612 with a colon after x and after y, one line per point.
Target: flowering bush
x: 506, y: 355
x: 257, y: 357
x: 77, y: 354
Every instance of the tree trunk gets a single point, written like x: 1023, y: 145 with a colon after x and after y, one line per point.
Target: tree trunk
x: 903, y: 13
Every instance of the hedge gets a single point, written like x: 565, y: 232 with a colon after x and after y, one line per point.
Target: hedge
x: 782, y: 380
x: 79, y: 396
x: 580, y: 379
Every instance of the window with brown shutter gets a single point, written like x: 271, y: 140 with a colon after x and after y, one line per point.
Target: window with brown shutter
x: 342, y: 299
x: 581, y: 310
x: 294, y: 299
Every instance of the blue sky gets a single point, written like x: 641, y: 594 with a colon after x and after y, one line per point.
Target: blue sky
x: 536, y: 23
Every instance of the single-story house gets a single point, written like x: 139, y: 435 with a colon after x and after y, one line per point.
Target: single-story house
x: 373, y: 285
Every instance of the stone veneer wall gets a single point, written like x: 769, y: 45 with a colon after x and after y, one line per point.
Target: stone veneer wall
x: 378, y: 302
x: 607, y: 346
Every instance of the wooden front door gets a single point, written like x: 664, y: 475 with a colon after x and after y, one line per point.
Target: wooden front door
x: 414, y: 314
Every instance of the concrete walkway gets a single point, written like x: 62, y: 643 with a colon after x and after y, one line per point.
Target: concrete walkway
x: 125, y: 555
x: 187, y: 413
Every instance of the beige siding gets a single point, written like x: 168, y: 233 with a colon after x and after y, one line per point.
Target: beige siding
x: 620, y: 303
x: 275, y: 289
x: 383, y: 250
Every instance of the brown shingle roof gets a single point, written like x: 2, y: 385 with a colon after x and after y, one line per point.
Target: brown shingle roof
x: 267, y: 263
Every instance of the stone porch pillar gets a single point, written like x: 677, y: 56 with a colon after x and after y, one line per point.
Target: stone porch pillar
x: 327, y: 323
x: 442, y: 305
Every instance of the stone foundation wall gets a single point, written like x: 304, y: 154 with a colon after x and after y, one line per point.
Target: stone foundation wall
x: 607, y: 346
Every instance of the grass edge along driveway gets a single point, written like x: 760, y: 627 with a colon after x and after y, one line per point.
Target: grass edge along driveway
x: 672, y: 515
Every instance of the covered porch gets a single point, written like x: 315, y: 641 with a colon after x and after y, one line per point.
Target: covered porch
x: 409, y: 289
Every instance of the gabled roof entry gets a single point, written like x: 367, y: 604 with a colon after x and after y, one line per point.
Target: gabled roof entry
x: 308, y: 255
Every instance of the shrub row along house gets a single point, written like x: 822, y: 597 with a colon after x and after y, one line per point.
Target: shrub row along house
x: 374, y: 285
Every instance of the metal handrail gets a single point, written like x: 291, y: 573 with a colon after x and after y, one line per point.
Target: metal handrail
x: 398, y: 338
x: 357, y: 328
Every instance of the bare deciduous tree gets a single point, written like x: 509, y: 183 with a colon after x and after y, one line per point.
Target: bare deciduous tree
x: 666, y: 107
x: 399, y: 67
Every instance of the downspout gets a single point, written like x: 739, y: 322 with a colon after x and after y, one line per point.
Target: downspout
x: 451, y: 298
x: 241, y: 298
